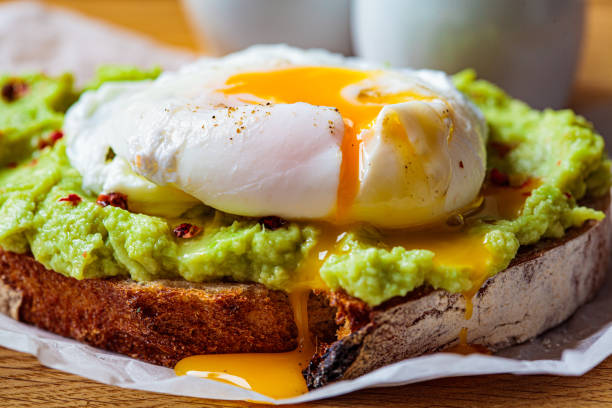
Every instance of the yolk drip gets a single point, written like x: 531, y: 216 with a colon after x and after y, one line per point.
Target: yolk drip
x: 279, y: 375
x: 348, y: 187
x: 276, y: 375
x: 498, y: 202
x: 323, y: 86
x: 465, y: 348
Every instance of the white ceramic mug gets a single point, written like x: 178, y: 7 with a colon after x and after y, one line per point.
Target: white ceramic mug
x: 231, y: 25
x: 528, y: 47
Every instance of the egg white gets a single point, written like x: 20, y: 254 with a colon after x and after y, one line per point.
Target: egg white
x: 179, y: 141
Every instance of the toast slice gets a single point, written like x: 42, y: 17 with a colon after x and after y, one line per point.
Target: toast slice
x: 158, y: 322
x: 543, y: 286
x: 164, y: 321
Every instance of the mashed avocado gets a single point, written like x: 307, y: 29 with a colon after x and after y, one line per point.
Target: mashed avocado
x: 79, y: 238
x: 30, y: 107
x: 85, y: 240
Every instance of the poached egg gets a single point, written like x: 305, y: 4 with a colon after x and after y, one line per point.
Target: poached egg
x: 274, y: 130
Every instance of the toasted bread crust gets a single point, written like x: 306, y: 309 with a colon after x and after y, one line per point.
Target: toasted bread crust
x: 160, y: 322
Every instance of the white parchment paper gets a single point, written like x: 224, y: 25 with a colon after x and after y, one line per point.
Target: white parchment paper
x: 33, y: 37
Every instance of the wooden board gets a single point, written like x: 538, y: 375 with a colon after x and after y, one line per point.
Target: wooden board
x: 25, y: 383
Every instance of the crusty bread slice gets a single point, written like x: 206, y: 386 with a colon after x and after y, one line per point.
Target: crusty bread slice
x: 164, y: 321
x: 159, y: 322
x: 542, y: 287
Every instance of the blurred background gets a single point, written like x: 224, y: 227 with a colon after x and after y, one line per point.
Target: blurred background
x: 553, y: 53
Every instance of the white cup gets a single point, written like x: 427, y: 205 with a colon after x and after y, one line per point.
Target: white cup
x: 528, y: 47
x: 231, y: 25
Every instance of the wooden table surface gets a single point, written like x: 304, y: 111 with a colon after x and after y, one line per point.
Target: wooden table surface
x: 25, y: 383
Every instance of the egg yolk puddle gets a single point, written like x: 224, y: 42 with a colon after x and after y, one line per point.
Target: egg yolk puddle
x: 279, y: 375
x: 276, y: 375
x: 324, y: 86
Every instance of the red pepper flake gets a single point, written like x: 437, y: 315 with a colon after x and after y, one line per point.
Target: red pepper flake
x: 55, y: 136
x: 499, y: 178
x: 73, y: 199
x: 461, y: 163
x: 525, y: 183
x: 114, y: 200
x: 501, y: 149
x: 272, y: 222
x: 186, y: 231
x: 568, y: 195
x: 558, y: 162
x: 13, y: 90
x: 11, y: 165
x: 51, y: 140
x: 526, y: 194
x: 85, y: 254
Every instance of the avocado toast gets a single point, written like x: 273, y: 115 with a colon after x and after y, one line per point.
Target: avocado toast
x: 135, y: 285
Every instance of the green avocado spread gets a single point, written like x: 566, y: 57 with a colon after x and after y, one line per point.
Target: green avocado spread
x: 44, y: 210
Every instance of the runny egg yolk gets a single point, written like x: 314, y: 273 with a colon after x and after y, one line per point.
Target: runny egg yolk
x: 278, y: 375
x: 324, y: 86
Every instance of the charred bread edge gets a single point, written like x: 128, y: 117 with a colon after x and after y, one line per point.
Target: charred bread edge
x: 542, y: 287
